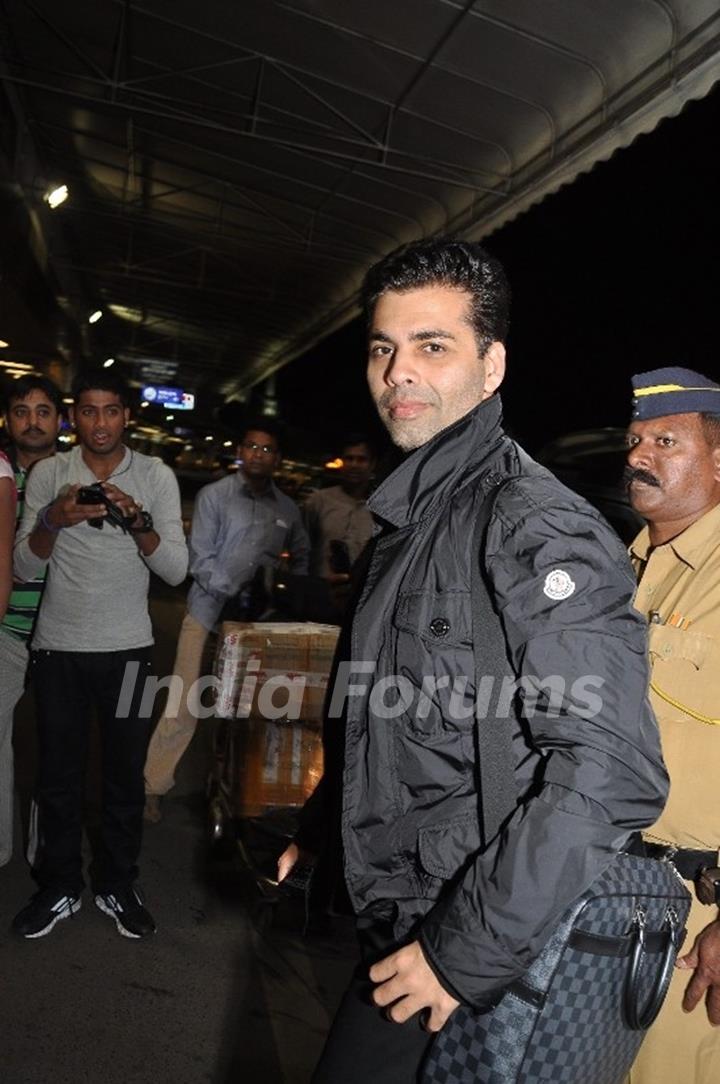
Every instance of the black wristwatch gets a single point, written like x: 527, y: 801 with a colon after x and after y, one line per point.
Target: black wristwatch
x: 146, y: 526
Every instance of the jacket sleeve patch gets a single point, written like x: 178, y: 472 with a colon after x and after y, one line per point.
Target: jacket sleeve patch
x: 558, y: 585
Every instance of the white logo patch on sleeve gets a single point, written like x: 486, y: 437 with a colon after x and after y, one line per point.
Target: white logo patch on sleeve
x: 558, y: 585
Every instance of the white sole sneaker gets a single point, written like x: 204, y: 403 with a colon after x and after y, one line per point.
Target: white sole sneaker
x: 67, y: 907
x: 102, y: 906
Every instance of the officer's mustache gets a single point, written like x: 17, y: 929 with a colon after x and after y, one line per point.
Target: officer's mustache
x: 637, y: 474
x: 33, y: 430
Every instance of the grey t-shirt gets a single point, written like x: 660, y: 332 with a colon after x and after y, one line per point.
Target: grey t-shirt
x: 97, y: 586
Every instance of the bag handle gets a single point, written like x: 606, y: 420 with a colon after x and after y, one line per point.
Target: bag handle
x: 638, y: 1019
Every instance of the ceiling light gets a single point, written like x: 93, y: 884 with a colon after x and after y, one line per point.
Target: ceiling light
x: 108, y: 363
x: 56, y: 196
x: 208, y: 438
x: 17, y: 365
x: 67, y: 399
x: 95, y: 316
x: 134, y: 316
x: 3, y: 344
x: 144, y: 403
x: 169, y: 417
x: 227, y: 444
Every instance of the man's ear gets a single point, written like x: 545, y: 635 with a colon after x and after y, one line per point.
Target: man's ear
x: 494, y: 364
x: 71, y: 416
x: 126, y: 415
x: 716, y: 462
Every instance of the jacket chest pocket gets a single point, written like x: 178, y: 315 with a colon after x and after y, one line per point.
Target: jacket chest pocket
x: 433, y: 651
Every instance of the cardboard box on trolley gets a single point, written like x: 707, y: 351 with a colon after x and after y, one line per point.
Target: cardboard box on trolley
x: 272, y: 681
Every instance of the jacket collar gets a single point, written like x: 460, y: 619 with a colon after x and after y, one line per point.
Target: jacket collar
x: 433, y: 471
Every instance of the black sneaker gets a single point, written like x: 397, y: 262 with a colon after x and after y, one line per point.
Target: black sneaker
x: 126, y: 907
x: 46, y: 908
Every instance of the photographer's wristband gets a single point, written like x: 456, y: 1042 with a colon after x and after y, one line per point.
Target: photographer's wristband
x: 44, y: 521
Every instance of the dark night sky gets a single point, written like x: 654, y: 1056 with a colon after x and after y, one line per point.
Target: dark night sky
x: 616, y: 273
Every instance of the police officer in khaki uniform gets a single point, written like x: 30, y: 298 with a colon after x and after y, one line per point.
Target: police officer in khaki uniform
x: 674, y: 483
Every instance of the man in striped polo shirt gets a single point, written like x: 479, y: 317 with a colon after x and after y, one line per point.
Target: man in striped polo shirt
x: 33, y: 415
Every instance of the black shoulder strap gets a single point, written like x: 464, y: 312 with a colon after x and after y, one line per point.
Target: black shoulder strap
x: 498, y: 791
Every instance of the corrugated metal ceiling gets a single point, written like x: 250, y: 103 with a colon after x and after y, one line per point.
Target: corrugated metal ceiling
x: 235, y: 167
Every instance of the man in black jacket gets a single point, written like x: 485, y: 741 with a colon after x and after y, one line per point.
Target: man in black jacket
x: 446, y: 916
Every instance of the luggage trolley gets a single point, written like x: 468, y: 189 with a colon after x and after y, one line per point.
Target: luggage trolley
x: 267, y: 754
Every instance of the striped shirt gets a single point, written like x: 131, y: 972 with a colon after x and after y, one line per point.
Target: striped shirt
x: 25, y: 598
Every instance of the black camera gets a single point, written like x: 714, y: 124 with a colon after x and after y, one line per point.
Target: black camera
x: 95, y: 494
x: 339, y: 556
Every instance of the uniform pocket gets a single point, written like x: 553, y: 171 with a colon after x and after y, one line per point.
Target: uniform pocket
x: 667, y: 644
x: 685, y: 667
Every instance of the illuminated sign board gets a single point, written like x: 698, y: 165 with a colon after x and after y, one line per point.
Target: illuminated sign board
x: 170, y: 398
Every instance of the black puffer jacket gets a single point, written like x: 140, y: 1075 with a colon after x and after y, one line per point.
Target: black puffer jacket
x: 589, y: 767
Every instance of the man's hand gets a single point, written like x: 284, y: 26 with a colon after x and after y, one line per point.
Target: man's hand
x: 66, y: 512
x: 290, y: 858
x: 407, y: 984
x: 127, y: 504
x: 704, y: 957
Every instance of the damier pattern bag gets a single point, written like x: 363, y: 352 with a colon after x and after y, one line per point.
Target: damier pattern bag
x: 579, y: 1014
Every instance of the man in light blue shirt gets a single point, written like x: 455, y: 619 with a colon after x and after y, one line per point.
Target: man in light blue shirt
x: 241, y: 525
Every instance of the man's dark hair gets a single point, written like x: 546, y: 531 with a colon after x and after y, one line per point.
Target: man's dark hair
x: 444, y: 261
x: 101, y: 380
x: 25, y: 385
x: 711, y: 428
x: 354, y: 439
x: 263, y: 424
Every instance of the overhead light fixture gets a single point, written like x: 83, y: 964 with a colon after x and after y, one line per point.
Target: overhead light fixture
x: 169, y: 417
x: 95, y: 316
x: 227, y: 444
x: 208, y: 438
x: 334, y: 464
x: 3, y: 344
x: 108, y: 363
x: 17, y: 365
x: 144, y: 403
x: 56, y: 196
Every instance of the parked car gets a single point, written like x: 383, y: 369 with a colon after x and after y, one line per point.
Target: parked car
x: 591, y: 463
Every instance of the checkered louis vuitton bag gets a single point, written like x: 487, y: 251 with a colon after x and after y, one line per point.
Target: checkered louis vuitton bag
x: 579, y: 1014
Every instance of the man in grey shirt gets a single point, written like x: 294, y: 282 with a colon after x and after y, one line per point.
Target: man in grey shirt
x: 92, y: 625
x: 241, y: 525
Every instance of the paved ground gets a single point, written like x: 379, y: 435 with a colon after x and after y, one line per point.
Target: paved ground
x: 225, y: 992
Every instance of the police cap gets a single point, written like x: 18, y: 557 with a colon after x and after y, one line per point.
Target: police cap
x: 673, y: 391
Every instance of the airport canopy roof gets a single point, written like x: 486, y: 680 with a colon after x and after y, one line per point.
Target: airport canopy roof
x: 234, y: 167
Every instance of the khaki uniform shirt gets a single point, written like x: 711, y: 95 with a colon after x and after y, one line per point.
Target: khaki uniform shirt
x: 679, y: 593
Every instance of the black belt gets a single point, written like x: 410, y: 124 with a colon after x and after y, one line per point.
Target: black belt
x: 687, y: 862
